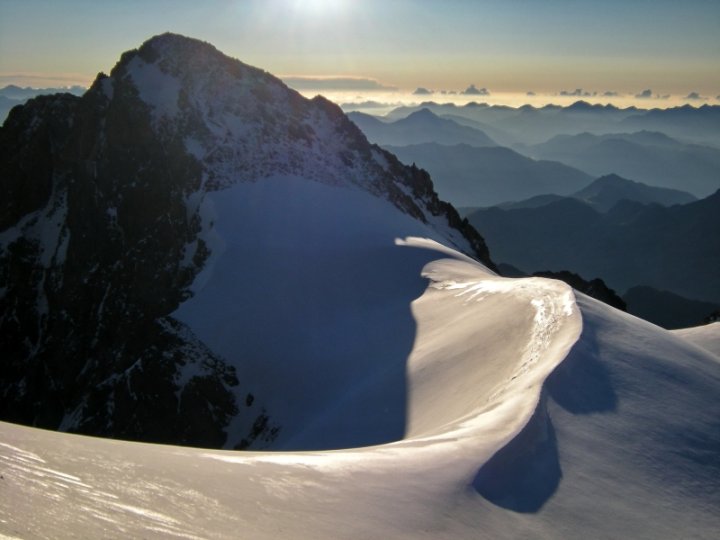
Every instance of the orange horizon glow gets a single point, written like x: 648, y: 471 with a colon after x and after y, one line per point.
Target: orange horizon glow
x: 398, y: 97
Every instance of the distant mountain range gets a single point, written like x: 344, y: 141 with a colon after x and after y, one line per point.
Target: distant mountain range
x: 421, y: 126
x: 468, y: 177
x: 530, y: 125
x: 471, y: 176
x: 696, y: 124
x: 650, y: 157
x: 669, y: 248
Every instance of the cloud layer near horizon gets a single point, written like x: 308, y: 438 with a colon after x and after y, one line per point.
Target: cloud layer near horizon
x: 336, y: 83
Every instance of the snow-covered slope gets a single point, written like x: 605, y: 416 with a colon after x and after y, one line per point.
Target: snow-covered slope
x: 307, y: 281
x: 530, y: 415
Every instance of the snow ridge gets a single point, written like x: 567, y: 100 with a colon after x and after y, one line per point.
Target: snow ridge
x: 612, y: 429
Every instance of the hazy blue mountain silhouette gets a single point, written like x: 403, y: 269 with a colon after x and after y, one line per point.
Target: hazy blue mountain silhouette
x: 472, y: 176
x: 481, y: 112
x: 419, y: 127
x: 533, y: 125
x: 528, y: 124
x: 603, y: 194
x: 607, y: 191
x: 650, y: 157
x: 532, y: 202
x: 500, y: 136
x: 697, y: 124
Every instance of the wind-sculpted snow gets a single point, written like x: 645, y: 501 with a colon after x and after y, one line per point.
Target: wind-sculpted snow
x: 337, y: 294
x: 483, y: 347
x: 530, y: 415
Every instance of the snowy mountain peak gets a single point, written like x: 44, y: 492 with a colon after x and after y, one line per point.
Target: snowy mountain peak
x: 237, y: 120
x: 242, y: 124
x: 127, y: 203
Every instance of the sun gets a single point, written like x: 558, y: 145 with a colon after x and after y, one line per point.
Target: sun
x: 318, y: 7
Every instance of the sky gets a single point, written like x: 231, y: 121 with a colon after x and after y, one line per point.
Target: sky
x: 669, y: 50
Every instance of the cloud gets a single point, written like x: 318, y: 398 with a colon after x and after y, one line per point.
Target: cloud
x: 530, y: 93
x: 472, y: 90
x: 610, y: 93
x: 336, y: 83
x: 578, y: 92
x: 693, y: 96
x: 422, y: 91
x: 647, y: 94
x: 367, y: 105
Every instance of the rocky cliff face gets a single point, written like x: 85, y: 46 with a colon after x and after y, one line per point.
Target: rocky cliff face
x: 102, y: 236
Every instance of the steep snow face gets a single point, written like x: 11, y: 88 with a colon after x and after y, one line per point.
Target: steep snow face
x: 311, y: 281
x: 558, y: 417
x: 338, y: 296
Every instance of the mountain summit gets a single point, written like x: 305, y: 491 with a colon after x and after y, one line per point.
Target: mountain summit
x: 162, y: 235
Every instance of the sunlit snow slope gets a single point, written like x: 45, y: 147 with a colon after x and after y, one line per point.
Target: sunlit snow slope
x: 529, y: 415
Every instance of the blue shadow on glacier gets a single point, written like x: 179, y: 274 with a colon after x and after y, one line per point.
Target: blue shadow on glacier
x: 581, y: 384
x: 310, y: 299
x: 523, y: 475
